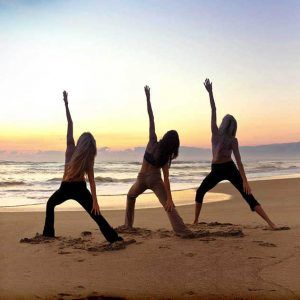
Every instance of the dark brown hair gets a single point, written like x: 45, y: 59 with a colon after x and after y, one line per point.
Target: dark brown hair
x: 168, y: 148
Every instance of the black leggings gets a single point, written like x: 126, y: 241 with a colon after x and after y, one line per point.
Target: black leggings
x: 224, y: 171
x: 78, y: 191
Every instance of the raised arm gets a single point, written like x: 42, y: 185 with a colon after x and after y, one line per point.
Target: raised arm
x: 70, y: 138
x: 170, y: 204
x: 208, y: 86
x: 95, y: 207
x: 237, y: 155
x: 152, y: 134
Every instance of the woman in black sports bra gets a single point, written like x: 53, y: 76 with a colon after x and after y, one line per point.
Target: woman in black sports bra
x: 224, y: 143
x: 158, y: 155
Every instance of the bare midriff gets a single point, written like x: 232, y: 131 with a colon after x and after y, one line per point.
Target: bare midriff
x: 148, y: 168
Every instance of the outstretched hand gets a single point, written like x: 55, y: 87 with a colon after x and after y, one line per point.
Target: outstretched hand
x: 246, y: 188
x: 65, y: 94
x: 96, y: 208
x: 147, y: 91
x: 208, y: 85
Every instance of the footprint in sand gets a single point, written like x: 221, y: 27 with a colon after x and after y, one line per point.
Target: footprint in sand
x: 207, y: 239
x: 136, y: 231
x: 64, y: 252
x: 212, y: 224
x: 80, y: 287
x: 189, y: 293
x: 64, y: 295
x: 80, y: 260
x: 252, y: 226
x: 254, y: 257
x: 265, y: 244
x: 111, y: 247
x: 86, y: 234
x: 189, y: 254
x: 38, y: 239
x: 94, y: 296
x: 164, y: 233
x: 164, y: 247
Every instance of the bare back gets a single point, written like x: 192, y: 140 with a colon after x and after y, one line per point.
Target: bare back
x: 221, y: 148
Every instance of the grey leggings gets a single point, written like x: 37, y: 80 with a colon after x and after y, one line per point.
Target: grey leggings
x: 154, y: 182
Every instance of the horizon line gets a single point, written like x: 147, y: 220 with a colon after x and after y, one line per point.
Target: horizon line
x: 104, y: 148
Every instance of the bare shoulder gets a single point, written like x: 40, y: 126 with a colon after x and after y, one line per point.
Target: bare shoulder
x: 151, y: 145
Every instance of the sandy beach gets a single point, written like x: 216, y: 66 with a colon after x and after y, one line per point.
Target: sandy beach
x: 233, y: 256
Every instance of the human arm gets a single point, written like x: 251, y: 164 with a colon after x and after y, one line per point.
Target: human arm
x: 170, y: 204
x: 70, y: 138
x: 237, y: 155
x: 208, y: 86
x: 95, y: 209
x: 152, y: 134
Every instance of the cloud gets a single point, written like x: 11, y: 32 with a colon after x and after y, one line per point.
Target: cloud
x: 286, y: 150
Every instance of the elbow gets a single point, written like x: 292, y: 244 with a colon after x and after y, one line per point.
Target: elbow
x: 240, y: 164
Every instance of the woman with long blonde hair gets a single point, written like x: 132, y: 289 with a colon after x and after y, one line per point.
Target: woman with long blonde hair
x: 224, y: 143
x: 79, y: 163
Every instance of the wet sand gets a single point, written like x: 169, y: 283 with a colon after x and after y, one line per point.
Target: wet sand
x: 232, y: 255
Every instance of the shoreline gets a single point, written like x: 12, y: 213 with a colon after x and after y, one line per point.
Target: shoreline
x: 145, y: 201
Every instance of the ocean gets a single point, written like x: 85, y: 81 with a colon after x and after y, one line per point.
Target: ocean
x: 30, y: 183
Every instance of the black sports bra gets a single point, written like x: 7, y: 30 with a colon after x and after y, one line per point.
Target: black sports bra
x: 150, y: 158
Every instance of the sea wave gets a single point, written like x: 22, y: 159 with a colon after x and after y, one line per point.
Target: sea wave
x: 11, y: 183
x: 100, y: 179
x: 110, y: 179
x: 55, y: 179
x: 180, y: 162
x: 266, y: 167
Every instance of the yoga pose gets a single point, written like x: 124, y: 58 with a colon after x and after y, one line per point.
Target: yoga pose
x: 79, y: 162
x: 224, y: 143
x: 158, y: 155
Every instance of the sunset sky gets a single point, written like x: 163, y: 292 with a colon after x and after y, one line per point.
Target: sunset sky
x: 104, y: 52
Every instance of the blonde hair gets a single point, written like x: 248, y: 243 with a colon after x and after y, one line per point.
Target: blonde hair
x: 83, y: 157
x: 228, y: 126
